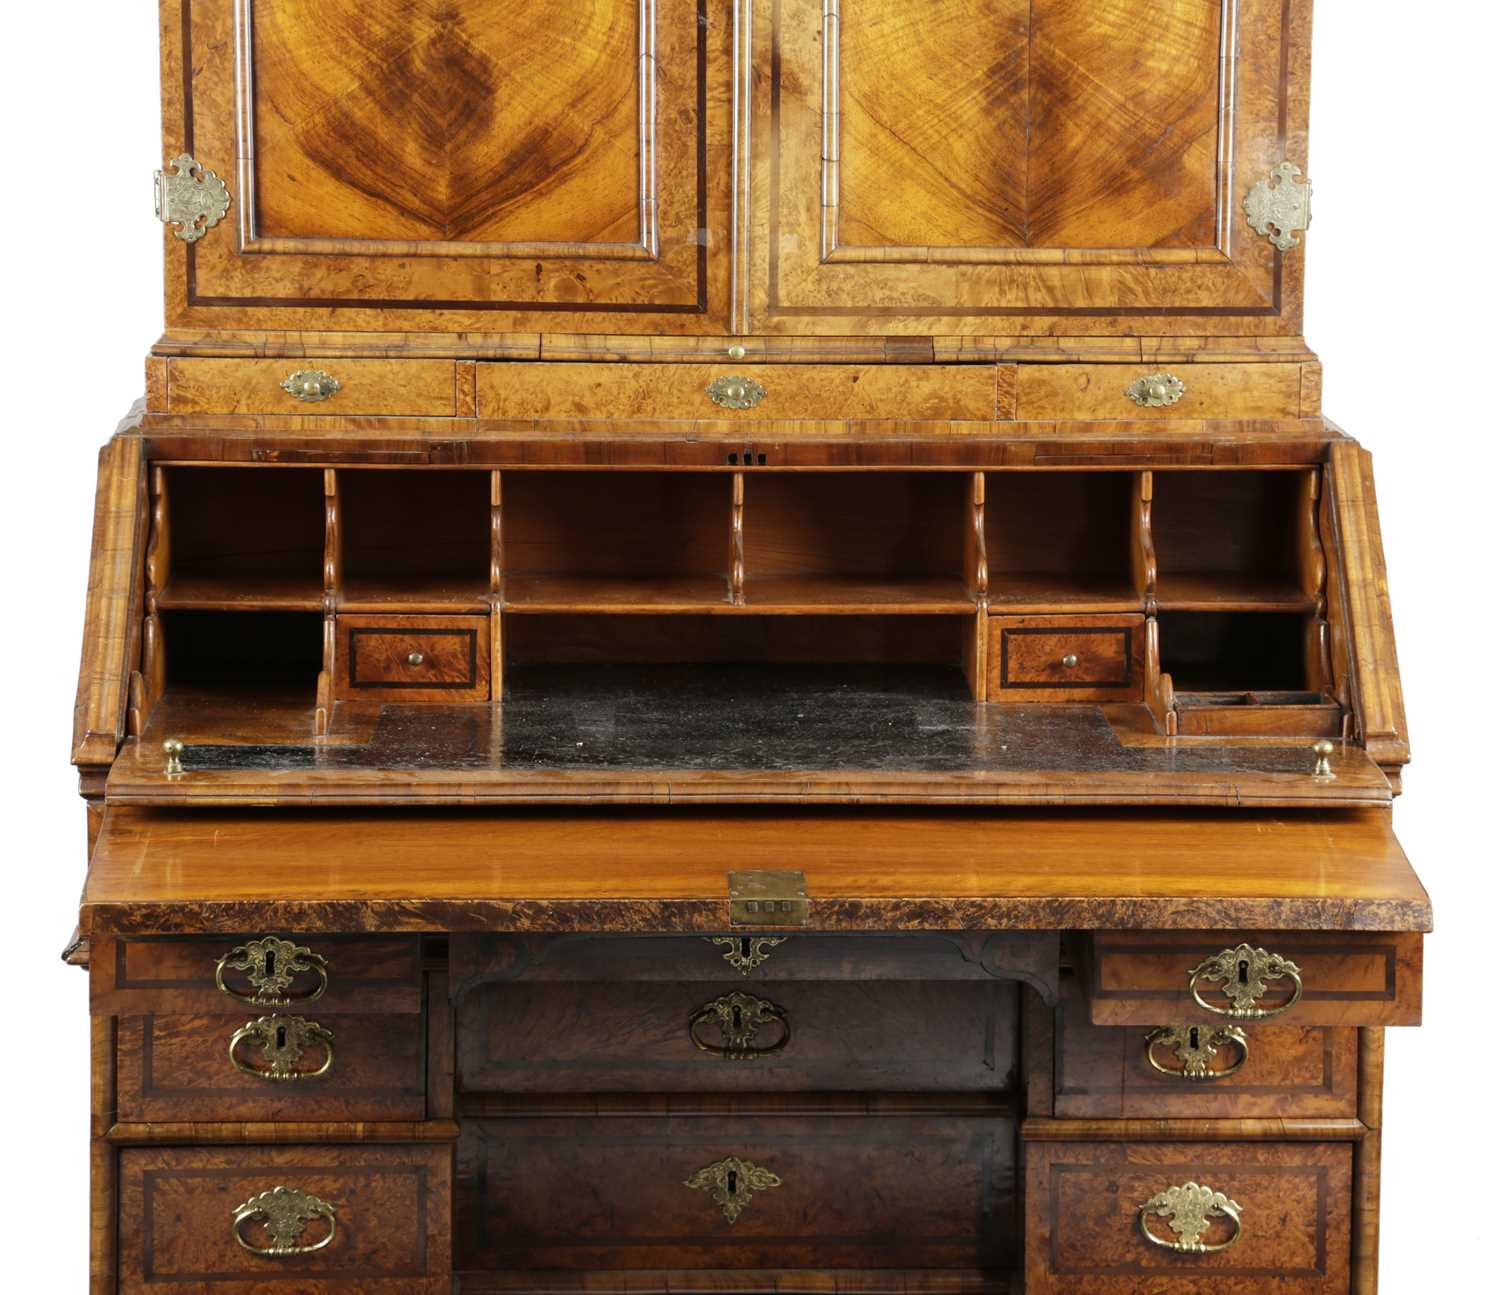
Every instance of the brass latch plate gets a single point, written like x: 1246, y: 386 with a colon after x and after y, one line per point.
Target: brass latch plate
x: 765, y: 898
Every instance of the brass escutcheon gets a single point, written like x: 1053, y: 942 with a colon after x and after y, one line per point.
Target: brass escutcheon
x: 270, y: 965
x: 731, y: 1183
x: 1195, y: 1047
x: 736, y: 392
x: 1244, y: 972
x: 1190, y: 1211
x: 284, y: 1213
x: 1157, y: 390
x: 310, y: 385
x: 746, y: 952
x: 282, y: 1040
x: 739, y: 1018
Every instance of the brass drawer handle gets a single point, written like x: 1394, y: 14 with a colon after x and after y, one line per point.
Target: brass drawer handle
x: 415, y: 658
x: 1196, y: 1046
x: 1157, y: 390
x: 1189, y: 1211
x: 284, y: 1213
x: 1070, y: 662
x: 735, y: 392
x: 282, y: 1040
x: 739, y: 1018
x: 731, y: 1183
x: 311, y: 385
x: 1244, y: 972
x: 270, y: 965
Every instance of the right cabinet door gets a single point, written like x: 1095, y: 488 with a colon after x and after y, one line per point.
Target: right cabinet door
x: 1026, y: 166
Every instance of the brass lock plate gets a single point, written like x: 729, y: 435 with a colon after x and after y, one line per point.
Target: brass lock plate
x: 767, y: 898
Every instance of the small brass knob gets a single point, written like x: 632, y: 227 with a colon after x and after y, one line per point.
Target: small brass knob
x: 1070, y: 660
x: 172, y: 748
x: 414, y: 658
x: 736, y: 352
x: 1323, y: 768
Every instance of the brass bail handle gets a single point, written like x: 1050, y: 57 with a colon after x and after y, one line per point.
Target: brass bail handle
x: 271, y: 965
x: 1190, y: 1210
x: 282, y: 1040
x: 1244, y: 972
x: 739, y: 1018
x: 1195, y: 1047
x: 284, y: 1213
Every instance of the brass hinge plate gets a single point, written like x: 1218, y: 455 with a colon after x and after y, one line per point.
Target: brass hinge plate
x: 764, y: 898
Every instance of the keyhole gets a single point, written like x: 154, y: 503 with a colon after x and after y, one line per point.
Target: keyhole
x: 1244, y: 972
x: 270, y: 965
x: 734, y: 1181
x: 738, y: 1017
x: 281, y: 1036
x: 1193, y: 1038
x: 744, y: 946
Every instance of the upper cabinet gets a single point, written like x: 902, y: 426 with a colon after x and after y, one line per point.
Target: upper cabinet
x: 453, y: 165
x: 1026, y: 166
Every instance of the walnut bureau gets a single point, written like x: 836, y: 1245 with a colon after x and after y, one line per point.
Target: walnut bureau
x: 730, y: 653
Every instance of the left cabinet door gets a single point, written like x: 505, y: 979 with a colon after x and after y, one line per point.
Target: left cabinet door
x: 452, y: 165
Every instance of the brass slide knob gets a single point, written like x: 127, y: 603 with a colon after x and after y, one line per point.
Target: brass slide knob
x: 173, y: 748
x: 1323, y: 768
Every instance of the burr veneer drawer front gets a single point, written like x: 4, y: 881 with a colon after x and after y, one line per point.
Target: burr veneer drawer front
x: 413, y: 658
x: 350, y: 1220
x: 655, y: 1036
x: 1066, y: 658
x: 1234, y: 977
x: 271, y: 1066
x: 737, y: 1190
x: 1118, y: 1218
x: 1200, y: 1071
x: 251, y: 975
x: 1099, y: 392
x: 409, y: 388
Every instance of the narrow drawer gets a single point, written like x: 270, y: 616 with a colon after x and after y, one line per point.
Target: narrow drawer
x: 648, y: 1036
x: 1086, y: 1204
x: 271, y: 1067
x: 748, y: 959
x: 193, y: 1220
x: 1291, y: 977
x: 739, y: 391
x: 888, y: 1191
x: 1066, y: 658
x: 1164, y: 392
x: 391, y: 387
x: 251, y: 975
x: 1200, y: 1071
x: 413, y: 658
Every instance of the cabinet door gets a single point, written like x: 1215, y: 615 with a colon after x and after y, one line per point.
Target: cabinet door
x: 1024, y: 166
x: 463, y: 165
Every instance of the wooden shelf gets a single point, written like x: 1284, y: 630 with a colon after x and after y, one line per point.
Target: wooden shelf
x: 1041, y: 592
x: 248, y: 591
x: 855, y: 595
x: 1231, y: 591
x: 539, y: 594
x: 415, y: 593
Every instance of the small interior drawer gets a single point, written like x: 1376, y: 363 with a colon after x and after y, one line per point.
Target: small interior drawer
x: 387, y: 1209
x: 413, y: 658
x: 1084, y: 1217
x: 1246, y: 977
x: 707, y: 1037
x: 316, y: 975
x: 1066, y: 658
x: 1199, y: 1070
x: 302, y: 386
x: 271, y: 1066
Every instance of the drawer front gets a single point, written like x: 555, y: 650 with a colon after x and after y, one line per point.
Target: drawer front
x: 1084, y: 1218
x: 390, y: 1227
x: 365, y: 975
x: 271, y: 1067
x: 749, y: 959
x: 739, y: 391
x: 1116, y: 391
x: 1240, y: 978
x: 1066, y: 658
x: 413, y: 658
x: 1202, y: 1071
x: 723, y: 1037
x: 392, y: 387
x: 889, y: 1191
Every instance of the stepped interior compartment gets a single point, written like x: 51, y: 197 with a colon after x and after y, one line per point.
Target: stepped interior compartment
x: 275, y: 653
x: 1234, y: 652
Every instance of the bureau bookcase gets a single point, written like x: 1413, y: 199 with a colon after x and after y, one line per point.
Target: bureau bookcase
x: 730, y: 653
